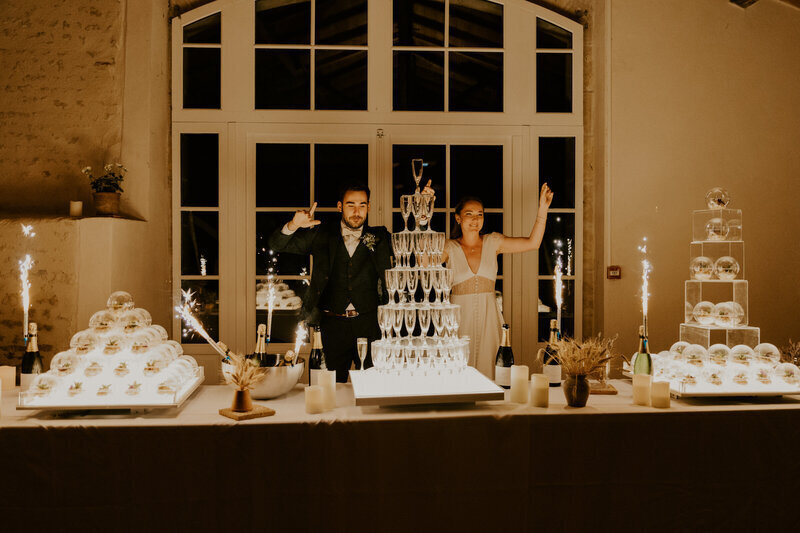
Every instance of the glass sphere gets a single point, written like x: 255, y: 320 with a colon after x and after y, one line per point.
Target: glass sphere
x: 762, y: 375
x: 140, y: 341
x: 719, y: 354
x: 83, y: 342
x: 741, y: 376
x: 717, y: 229
x: 94, y: 366
x: 788, y: 373
x: 717, y: 198
x: 64, y: 363
x: 701, y: 268
x: 144, y: 314
x: 679, y: 347
x: 134, y: 319
x: 738, y: 316
x: 177, y: 349
x: 114, y: 343
x: 704, y: 313
x: 726, y: 267
x: 726, y: 315
x: 767, y: 353
x: 161, y: 331
x: 695, y: 354
x: 120, y: 301
x: 742, y: 354
x: 102, y: 321
x: 44, y: 384
x: 714, y: 375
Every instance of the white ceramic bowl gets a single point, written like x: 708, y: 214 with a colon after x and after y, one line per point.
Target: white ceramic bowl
x: 279, y: 380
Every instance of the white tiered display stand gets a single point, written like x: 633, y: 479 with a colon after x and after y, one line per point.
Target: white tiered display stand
x: 122, y: 362
x: 441, y: 375
x: 695, y: 372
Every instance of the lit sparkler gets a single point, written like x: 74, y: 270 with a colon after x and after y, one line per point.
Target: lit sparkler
x: 270, y: 304
x: 27, y: 230
x: 299, y: 339
x: 203, y: 263
x: 24, y: 269
x: 559, y: 291
x: 646, y: 269
x: 192, y: 323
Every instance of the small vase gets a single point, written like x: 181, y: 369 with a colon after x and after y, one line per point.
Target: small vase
x: 106, y: 203
x: 241, y: 401
x: 576, y: 390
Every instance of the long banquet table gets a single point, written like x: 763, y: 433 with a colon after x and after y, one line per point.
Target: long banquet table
x: 710, y: 465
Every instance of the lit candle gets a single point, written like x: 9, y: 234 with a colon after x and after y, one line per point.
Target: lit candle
x: 315, y: 402
x: 659, y: 394
x: 540, y: 391
x: 75, y: 208
x: 8, y: 377
x: 641, y: 389
x: 519, y: 383
x: 327, y: 381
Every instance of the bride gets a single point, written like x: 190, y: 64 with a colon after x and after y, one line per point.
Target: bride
x: 473, y: 258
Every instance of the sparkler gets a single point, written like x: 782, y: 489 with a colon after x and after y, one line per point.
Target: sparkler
x: 192, y: 323
x: 203, y: 263
x: 646, y: 269
x: 559, y: 291
x: 270, y: 305
x: 27, y: 230
x: 299, y: 339
x: 24, y: 268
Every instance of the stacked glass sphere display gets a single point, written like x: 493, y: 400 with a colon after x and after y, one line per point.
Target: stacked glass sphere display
x: 122, y: 358
x: 419, y: 301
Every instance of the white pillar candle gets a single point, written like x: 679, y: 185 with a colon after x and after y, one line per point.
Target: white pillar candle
x: 659, y: 394
x: 8, y: 376
x: 25, y: 381
x: 315, y: 402
x: 75, y: 208
x: 327, y: 380
x: 641, y: 389
x: 519, y: 383
x: 540, y: 391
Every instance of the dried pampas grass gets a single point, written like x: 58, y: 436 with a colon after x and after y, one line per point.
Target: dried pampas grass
x: 582, y: 359
x: 245, y: 375
x: 791, y: 352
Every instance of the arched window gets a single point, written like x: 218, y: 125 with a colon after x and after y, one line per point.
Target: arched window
x: 276, y: 101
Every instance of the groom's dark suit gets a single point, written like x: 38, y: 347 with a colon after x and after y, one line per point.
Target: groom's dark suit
x: 338, y: 280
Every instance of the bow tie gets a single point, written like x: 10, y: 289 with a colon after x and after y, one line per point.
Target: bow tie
x: 351, y: 234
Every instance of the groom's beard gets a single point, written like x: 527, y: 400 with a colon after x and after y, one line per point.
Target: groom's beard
x: 353, y: 222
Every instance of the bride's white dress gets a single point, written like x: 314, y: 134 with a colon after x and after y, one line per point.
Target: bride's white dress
x: 474, y: 292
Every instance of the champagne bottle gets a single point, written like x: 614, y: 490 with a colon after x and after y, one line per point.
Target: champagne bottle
x: 316, y: 359
x: 642, y: 362
x: 550, y: 366
x: 260, y: 353
x: 504, y: 360
x: 32, y: 360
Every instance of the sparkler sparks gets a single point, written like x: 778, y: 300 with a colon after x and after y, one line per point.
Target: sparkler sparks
x: 24, y: 269
x: 559, y: 285
x: 203, y: 263
x: 300, y: 338
x: 192, y: 323
x: 646, y: 269
x: 270, y: 304
x: 27, y: 230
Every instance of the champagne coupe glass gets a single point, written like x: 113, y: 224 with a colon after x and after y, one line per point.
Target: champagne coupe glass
x: 376, y: 354
x: 412, y: 279
x: 392, y: 282
x: 381, y: 314
x: 447, y: 283
x: 425, y: 279
x: 424, y: 317
x: 361, y: 345
x: 417, y: 209
x: 423, y: 247
x: 397, y: 247
x: 417, y: 166
x: 427, y: 210
x: 402, y: 275
x: 425, y: 358
x: 436, y: 318
x: 412, y: 359
x: 410, y: 314
x: 397, y: 320
x: 405, y: 210
x: 398, y: 356
x: 436, y: 278
x: 408, y: 244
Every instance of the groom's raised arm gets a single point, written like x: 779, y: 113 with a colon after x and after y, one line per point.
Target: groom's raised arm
x: 288, y: 239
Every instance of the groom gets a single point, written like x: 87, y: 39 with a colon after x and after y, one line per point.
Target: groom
x: 350, y: 259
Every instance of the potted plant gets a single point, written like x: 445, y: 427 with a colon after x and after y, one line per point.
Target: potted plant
x: 579, y: 361
x: 106, y: 188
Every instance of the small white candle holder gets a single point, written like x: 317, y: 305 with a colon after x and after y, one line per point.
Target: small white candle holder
x: 315, y: 402
x: 539, y: 391
x: 659, y: 394
x: 519, y: 383
x: 641, y: 389
x: 75, y: 208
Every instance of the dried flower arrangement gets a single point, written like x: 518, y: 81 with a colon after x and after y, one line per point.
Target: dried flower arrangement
x: 791, y: 353
x: 582, y: 359
x: 245, y: 375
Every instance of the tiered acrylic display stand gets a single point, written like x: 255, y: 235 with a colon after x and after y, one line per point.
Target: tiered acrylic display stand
x: 420, y: 369
x: 122, y: 361
x: 719, y: 353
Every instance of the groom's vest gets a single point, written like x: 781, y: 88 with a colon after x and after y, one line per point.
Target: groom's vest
x: 351, y: 280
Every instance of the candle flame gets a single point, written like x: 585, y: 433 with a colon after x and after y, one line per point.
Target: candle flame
x: 185, y: 311
x: 24, y: 268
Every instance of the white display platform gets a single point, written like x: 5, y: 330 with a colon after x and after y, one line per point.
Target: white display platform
x: 682, y: 390
x: 86, y: 401
x: 373, y: 388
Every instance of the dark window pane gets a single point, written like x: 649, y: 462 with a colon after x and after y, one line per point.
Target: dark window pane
x: 553, y: 83
x: 476, y: 23
x: 283, y: 79
x: 477, y: 171
x: 548, y: 35
x: 341, y: 79
x: 206, y: 295
x: 476, y: 81
x: 283, y: 175
x: 547, y: 296
x: 418, y: 81
x: 418, y: 23
x: 286, y: 313
x: 204, y: 31
x: 434, y: 170
x: 559, y: 239
x: 341, y: 22
x: 557, y: 168
x: 199, y: 243
x: 201, y: 78
x: 493, y: 223
x: 271, y: 262
x: 199, y: 169
x: 330, y: 217
x: 437, y: 224
x: 335, y: 165
x: 283, y: 21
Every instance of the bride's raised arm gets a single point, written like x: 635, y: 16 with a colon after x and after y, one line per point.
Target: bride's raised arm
x: 512, y: 245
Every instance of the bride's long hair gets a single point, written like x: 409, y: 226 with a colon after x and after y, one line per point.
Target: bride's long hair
x: 455, y: 227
